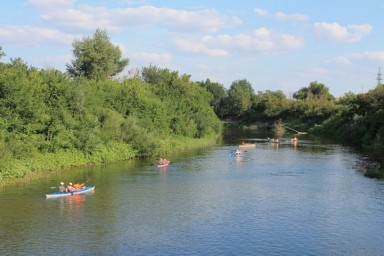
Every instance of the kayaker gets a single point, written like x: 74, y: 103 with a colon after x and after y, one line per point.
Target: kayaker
x: 78, y: 185
x: 62, y: 187
x: 69, y: 187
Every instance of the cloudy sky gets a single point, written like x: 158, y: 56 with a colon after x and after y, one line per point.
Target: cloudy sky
x: 275, y: 44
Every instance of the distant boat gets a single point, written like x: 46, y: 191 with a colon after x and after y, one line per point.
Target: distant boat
x: 247, y: 145
x: 274, y: 140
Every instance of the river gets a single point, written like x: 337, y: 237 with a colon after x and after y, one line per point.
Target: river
x: 277, y: 199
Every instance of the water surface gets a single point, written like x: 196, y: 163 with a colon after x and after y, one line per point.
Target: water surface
x: 307, y: 199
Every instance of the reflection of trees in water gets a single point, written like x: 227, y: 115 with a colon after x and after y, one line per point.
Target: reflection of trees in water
x: 278, y: 128
x: 369, y: 167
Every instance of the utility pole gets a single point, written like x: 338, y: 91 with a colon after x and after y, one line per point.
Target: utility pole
x: 379, y: 77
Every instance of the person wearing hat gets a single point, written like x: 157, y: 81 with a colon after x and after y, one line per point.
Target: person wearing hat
x: 62, y: 187
x: 69, y: 187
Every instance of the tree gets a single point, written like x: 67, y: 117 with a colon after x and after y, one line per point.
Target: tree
x: 2, y: 54
x: 271, y: 104
x: 315, y: 90
x: 240, y: 96
x: 96, y: 58
x: 218, y: 92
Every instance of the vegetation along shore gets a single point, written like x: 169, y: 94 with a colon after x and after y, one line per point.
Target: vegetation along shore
x: 51, y: 119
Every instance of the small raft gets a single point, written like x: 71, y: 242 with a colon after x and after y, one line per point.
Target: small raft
x: 75, y: 192
x: 247, y: 145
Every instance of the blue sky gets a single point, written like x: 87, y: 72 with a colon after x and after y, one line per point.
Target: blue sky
x: 275, y: 44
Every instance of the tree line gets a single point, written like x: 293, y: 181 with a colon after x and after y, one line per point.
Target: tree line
x: 353, y: 119
x: 51, y: 119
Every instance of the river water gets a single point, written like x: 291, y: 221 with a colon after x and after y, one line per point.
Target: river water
x: 304, y: 199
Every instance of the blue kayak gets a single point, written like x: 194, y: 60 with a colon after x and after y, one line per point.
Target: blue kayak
x: 75, y: 192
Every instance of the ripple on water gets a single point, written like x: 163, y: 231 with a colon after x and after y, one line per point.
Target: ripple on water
x: 272, y: 201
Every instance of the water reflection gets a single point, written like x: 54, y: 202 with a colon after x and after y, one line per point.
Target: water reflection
x: 285, y: 200
x: 163, y: 170
x: 74, y: 202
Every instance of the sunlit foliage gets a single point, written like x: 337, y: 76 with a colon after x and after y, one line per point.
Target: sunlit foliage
x: 96, y: 57
x: 48, y: 114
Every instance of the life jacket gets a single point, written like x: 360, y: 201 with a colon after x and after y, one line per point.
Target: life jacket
x: 78, y: 185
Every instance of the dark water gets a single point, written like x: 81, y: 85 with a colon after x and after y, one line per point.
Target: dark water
x: 307, y: 199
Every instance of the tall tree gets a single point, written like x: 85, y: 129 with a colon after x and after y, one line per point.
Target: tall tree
x: 315, y: 90
x: 218, y: 92
x: 96, y: 57
x: 240, y: 96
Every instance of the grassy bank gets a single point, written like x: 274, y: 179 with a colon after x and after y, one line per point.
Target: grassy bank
x: 19, y: 170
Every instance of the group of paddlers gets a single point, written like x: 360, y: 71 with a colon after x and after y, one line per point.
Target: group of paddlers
x: 71, y: 187
x: 163, y: 161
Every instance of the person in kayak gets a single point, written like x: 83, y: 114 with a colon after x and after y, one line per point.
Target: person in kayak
x: 69, y: 187
x: 62, y: 187
x: 78, y: 185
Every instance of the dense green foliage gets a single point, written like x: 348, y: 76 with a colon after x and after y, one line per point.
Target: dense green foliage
x: 359, y: 121
x: 310, y: 106
x: 50, y: 121
x: 356, y: 120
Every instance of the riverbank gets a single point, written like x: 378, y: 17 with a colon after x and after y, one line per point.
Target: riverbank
x: 22, y: 170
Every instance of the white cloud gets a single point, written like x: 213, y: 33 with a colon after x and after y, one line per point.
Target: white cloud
x: 282, y: 16
x: 374, y: 55
x: 262, y: 40
x: 262, y: 12
x: 133, y: 2
x: 336, y: 32
x: 50, y: 4
x: 292, y: 42
x: 236, y: 21
x: 151, y: 57
x: 199, y: 47
x: 34, y: 36
x: 343, y: 61
x: 369, y: 55
x: 91, y: 17
x: 291, y: 17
